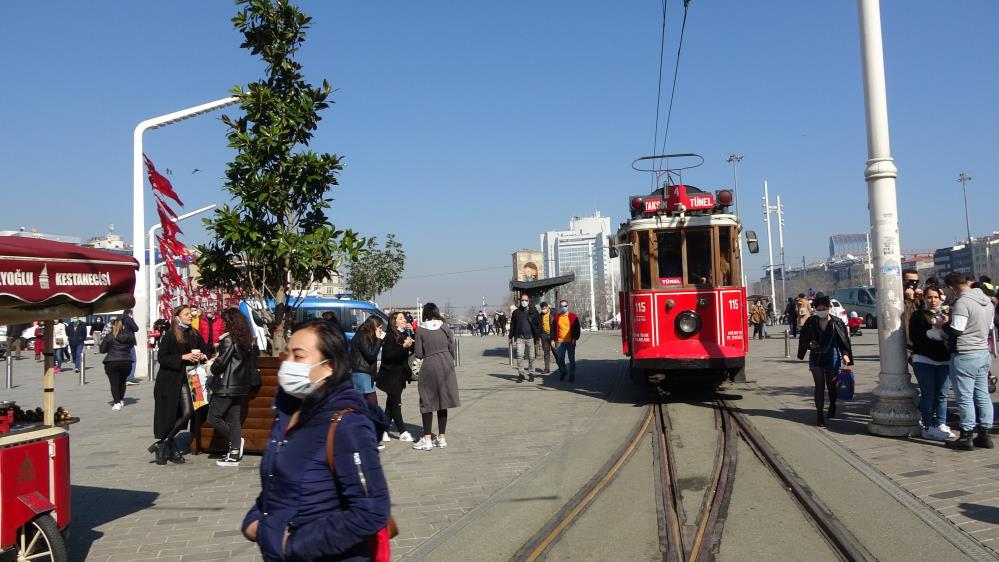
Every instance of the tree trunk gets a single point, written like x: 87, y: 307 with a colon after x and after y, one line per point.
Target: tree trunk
x: 278, y: 342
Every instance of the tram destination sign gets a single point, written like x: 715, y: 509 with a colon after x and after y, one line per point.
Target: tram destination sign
x: 678, y: 200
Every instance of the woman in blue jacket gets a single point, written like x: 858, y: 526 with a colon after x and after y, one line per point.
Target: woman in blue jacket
x: 303, y: 511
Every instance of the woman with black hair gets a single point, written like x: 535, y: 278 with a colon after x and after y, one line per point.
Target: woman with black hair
x: 305, y: 510
x: 180, y: 347
x: 234, y: 374
x: 825, y: 336
x: 395, y: 372
x: 438, y: 384
x: 364, y: 349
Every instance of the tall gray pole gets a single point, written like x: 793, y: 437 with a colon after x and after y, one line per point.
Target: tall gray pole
x: 964, y: 179
x: 780, y: 237
x: 734, y: 159
x: 770, y: 244
x: 894, y: 414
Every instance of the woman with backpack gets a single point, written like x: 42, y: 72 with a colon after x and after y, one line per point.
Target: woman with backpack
x: 824, y: 337
x: 234, y: 374
x: 117, y: 346
x: 323, y: 491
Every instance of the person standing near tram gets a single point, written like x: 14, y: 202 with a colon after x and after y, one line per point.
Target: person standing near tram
x: 825, y: 338
x: 565, y: 331
x: 525, y: 332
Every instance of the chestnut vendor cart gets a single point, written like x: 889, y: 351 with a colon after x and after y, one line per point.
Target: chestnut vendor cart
x: 42, y: 281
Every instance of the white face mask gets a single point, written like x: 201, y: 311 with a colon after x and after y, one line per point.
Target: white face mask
x: 294, y: 378
x: 822, y: 313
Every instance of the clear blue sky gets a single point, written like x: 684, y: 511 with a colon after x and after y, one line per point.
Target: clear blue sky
x: 468, y: 128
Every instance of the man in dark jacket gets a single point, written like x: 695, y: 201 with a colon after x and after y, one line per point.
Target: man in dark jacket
x: 77, y: 335
x: 14, y: 332
x: 565, y: 333
x: 525, y: 330
x: 131, y: 326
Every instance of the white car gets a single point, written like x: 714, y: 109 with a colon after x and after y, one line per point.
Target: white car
x: 838, y: 311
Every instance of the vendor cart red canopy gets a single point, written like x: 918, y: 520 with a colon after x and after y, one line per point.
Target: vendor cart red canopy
x: 44, y: 280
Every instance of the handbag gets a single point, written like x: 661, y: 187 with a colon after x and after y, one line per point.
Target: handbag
x: 845, y: 382
x: 379, y: 542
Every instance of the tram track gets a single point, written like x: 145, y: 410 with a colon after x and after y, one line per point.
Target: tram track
x: 695, y: 537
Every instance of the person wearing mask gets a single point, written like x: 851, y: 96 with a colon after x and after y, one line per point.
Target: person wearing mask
x: 968, y: 327
x: 790, y: 316
x: 60, y: 343
x: 131, y: 325
x: 117, y: 361
x: 566, y: 331
x: 931, y: 365
x: 96, y: 328
x: 234, y: 374
x: 394, y: 373
x: 39, y: 346
x: 546, y: 335
x: 305, y: 510
x: 77, y: 339
x: 525, y: 332
x: 211, y: 328
x: 180, y: 348
x: 825, y: 338
x: 438, y: 383
x: 364, y: 349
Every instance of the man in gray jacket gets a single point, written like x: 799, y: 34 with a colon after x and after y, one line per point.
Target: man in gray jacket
x: 968, y: 327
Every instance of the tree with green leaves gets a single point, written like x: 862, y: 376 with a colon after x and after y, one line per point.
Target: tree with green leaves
x: 377, y: 270
x: 275, y: 238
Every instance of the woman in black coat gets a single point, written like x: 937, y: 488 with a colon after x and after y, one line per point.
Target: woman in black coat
x: 117, y: 348
x: 233, y: 372
x: 180, y: 348
x: 364, y: 349
x: 827, y: 339
x: 395, y: 372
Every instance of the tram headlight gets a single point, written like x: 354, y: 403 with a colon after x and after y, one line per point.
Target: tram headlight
x: 688, y: 323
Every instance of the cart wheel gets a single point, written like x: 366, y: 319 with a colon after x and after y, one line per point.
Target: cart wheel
x: 40, y: 539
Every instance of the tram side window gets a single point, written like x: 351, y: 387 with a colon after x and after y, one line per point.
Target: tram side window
x: 645, y: 276
x: 670, y: 256
x: 725, y: 255
x: 700, y: 258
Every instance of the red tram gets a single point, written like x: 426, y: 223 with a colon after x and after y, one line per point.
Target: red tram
x: 682, y: 300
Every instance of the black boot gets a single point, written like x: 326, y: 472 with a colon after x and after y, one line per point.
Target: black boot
x: 818, y: 418
x: 159, y: 451
x: 962, y: 443
x: 172, y: 454
x: 832, y: 410
x: 982, y: 440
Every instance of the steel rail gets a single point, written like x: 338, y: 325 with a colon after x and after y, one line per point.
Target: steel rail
x: 843, y: 543
x: 541, y: 541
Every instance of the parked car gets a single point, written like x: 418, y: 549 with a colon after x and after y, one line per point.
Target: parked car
x: 349, y: 313
x: 863, y: 301
x: 838, y: 311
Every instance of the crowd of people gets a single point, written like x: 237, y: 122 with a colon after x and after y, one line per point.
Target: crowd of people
x: 950, y: 328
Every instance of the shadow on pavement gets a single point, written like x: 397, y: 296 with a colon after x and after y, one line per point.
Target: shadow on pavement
x: 603, y: 378
x: 983, y: 513
x: 93, y: 507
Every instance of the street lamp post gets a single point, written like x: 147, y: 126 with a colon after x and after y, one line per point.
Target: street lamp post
x: 593, y: 304
x: 767, y: 208
x: 894, y: 414
x: 152, y: 257
x: 141, y: 310
x: 734, y: 160
x: 964, y: 179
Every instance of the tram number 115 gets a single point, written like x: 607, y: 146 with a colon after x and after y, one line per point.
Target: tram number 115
x: 733, y: 304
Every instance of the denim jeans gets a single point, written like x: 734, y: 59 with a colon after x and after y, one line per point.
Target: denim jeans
x: 560, y: 353
x: 131, y: 372
x: 969, y: 373
x: 77, y: 351
x: 934, y: 382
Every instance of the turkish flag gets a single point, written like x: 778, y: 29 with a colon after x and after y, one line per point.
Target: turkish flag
x: 159, y: 181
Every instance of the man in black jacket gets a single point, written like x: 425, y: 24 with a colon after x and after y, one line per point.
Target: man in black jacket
x: 525, y: 329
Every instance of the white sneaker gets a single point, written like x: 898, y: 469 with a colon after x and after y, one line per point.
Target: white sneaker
x: 943, y: 427
x: 935, y: 434
x: 423, y: 444
x: 242, y: 442
x: 405, y: 436
x: 385, y: 437
x: 440, y: 442
x: 117, y: 406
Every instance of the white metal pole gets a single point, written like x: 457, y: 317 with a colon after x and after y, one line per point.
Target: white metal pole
x: 152, y: 257
x: 770, y: 243
x: 783, y: 265
x: 593, y: 304
x: 894, y: 414
x: 141, y: 311
x: 870, y: 263
x: 735, y: 159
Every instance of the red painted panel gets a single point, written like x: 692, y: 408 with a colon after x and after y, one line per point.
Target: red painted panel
x: 24, y: 469
x: 60, y: 467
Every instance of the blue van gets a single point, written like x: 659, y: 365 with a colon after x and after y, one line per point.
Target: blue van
x: 349, y: 312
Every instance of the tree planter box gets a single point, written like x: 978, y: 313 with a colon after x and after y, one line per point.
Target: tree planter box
x: 257, y: 420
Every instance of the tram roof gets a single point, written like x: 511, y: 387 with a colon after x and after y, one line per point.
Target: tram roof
x: 667, y: 221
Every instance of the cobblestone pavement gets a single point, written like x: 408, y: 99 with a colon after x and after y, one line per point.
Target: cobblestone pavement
x: 962, y: 486
x: 125, y: 508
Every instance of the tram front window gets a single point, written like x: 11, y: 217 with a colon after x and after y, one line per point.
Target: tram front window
x: 700, y: 258
x: 725, y: 255
x: 670, y: 257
